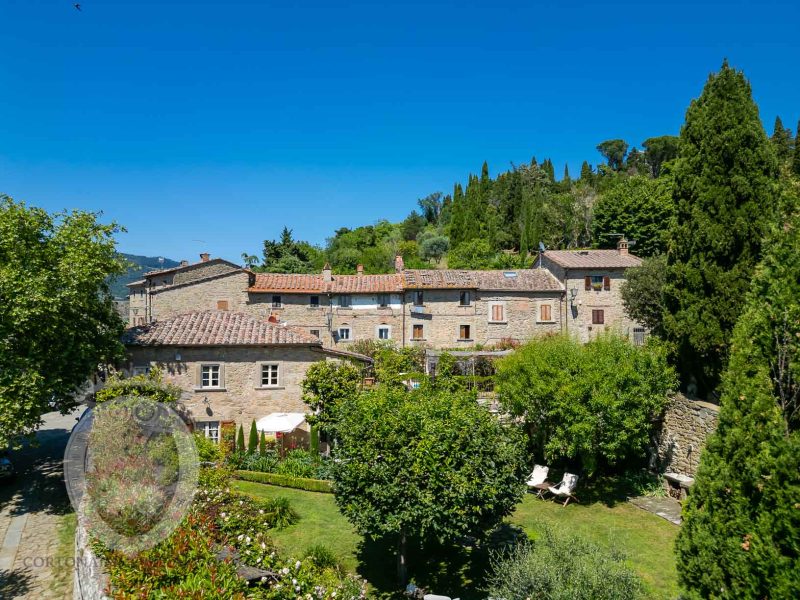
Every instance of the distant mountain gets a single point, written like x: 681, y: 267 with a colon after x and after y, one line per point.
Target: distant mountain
x: 142, y: 265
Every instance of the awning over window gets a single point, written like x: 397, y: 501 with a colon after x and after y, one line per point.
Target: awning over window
x: 280, y: 422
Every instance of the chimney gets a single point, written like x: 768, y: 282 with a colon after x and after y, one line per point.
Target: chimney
x: 327, y: 276
x: 204, y: 257
x: 360, y: 269
x: 399, y: 267
x: 622, y: 246
x: 184, y: 263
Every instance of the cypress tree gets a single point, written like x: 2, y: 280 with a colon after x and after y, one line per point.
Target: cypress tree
x: 262, y: 444
x: 726, y: 199
x: 781, y: 140
x: 566, y: 174
x: 586, y: 172
x: 796, y: 158
x: 741, y: 524
x: 458, y: 216
x: 240, y: 440
x: 252, y: 443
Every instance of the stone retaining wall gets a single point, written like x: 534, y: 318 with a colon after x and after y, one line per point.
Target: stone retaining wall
x: 685, y: 427
x: 90, y: 579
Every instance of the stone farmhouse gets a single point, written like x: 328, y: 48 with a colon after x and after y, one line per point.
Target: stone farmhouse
x: 573, y: 291
x: 232, y: 367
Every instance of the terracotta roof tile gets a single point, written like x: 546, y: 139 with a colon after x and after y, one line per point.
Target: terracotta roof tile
x: 215, y: 328
x: 593, y: 259
x: 315, y: 284
x: 534, y: 280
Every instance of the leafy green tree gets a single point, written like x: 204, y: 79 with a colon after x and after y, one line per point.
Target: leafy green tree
x: 288, y: 255
x: 325, y: 386
x: 413, y: 225
x: 635, y: 163
x: 660, y: 150
x: 559, y: 565
x: 240, y: 447
x: 57, y: 318
x: 726, y: 201
x: 614, y: 152
x: 638, y: 208
x: 643, y: 293
x: 434, y: 248
x: 475, y: 254
x: 741, y: 521
x: 431, y: 206
x: 252, y: 442
x: 781, y: 140
x: 589, y: 404
x: 424, y: 465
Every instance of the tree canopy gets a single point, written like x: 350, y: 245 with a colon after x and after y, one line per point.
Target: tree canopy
x: 57, y: 318
x: 741, y: 521
x: 424, y: 464
x: 726, y: 201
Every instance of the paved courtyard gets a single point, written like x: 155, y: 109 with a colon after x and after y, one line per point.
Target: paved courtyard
x: 32, y: 507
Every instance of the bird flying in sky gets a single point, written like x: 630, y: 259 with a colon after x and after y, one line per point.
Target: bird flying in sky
x: 77, y: 6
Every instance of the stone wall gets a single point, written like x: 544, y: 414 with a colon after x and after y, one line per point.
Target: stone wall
x: 89, y: 578
x: 685, y: 427
x: 230, y: 288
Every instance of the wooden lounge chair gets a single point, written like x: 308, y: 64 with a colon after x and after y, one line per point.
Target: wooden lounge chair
x: 565, y: 488
x: 538, y: 480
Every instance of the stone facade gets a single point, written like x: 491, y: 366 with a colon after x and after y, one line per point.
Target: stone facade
x: 502, y: 305
x: 685, y: 427
x: 602, y: 301
x: 240, y: 397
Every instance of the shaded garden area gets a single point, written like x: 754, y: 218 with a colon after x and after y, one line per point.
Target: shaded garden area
x: 645, y: 539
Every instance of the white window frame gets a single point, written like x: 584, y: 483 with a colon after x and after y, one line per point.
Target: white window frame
x: 349, y: 331
x: 491, y: 307
x: 314, y: 332
x: 278, y: 375
x: 208, y: 430
x: 539, y: 312
x: 205, y: 366
x: 388, y: 329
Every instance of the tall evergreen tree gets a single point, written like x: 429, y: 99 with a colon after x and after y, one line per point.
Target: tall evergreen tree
x: 586, y: 172
x: 547, y: 167
x: 741, y: 521
x: 252, y: 443
x: 614, y: 152
x: 240, y: 447
x: 796, y: 158
x: 726, y: 200
x: 659, y: 150
x: 781, y: 140
x: 566, y: 175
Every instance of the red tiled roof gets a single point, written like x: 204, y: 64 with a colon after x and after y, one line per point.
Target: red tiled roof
x: 215, y: 328
x: 593, y: 259
x: 534, y: 280
x: 315, y: 284
x: 281, y: 282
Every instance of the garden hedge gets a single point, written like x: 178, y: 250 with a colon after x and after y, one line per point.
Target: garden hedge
x: 300, y: 483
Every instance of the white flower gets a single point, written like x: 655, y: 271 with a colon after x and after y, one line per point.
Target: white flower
x: 247, y: 539
x: 297, y: 565
x: 261, y: 511
x: 294, y: 581
x: 222, y: 514
x: 240, y: 537
x: 264, y: 547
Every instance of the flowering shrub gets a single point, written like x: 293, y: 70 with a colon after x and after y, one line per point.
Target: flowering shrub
x: 188, y: 565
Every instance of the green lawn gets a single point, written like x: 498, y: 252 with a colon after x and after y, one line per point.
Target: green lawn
x: 647, y: 540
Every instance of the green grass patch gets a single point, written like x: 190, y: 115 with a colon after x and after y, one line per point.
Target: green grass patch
x: 646, y: 539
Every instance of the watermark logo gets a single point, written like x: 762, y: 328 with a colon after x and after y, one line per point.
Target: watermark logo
x: 131, y: 471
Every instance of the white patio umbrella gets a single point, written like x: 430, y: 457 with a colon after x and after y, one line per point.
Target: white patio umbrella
x: 280, y: 422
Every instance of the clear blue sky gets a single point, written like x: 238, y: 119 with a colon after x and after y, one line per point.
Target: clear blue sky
x: 208, y: 126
